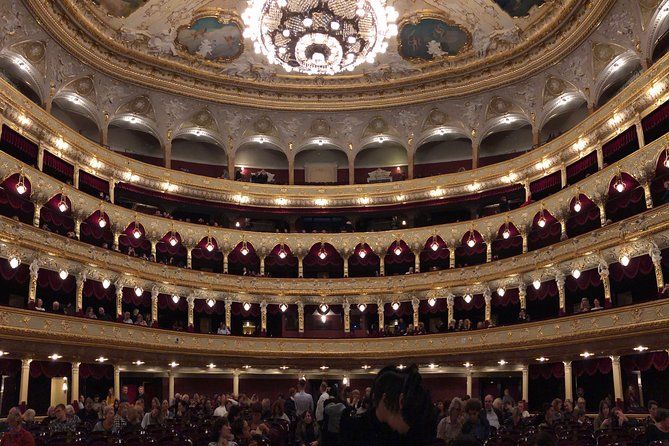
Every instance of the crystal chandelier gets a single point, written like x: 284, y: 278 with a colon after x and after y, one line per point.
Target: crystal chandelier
x: 319, y: 36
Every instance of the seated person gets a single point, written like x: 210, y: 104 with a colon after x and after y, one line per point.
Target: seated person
x: 596, y: 306
x: 223, y: 329
x: 660, y: 430
x: 90, y: 314
x: 39, y: 305
x: 63, y: 423
x: 127, y: 319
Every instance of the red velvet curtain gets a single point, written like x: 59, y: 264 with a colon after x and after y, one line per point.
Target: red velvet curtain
x: 625, y: 142
x: 17, y: 141
x: 546, y: 371
x: 58, y: 165
x: 576, y: 168
x: 50, y: 369
x: 645, y: 361
x: 96, y: 371
x: 592, y: 366
x: 21, y: 274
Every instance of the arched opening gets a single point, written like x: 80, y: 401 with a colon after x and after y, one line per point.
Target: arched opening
x: 281, y: 262
x: 452, y: 152
x: 621, y: 74
x: 507, y: 243
x: 57, y: 216
x: 206, y: 256
x: 198, y: 155
x: 96, y: 230
x: 435, y: 255
x: 399, y: 259
x: 76, y: 118
x: 243, y: 260
x: 505, y: 143
x: 545, y: 230
x: 583, y: 216
x: 170, y: 250
x: 261, y: 163
x: 323, y: 261
x: 123, y: 137
x: 566, y: 114
x: 381, y: 162
x: 625, y: 198
x: 472, y: 250
x: 15, y: 74
x: 363, y: 262
x: 133, y: 241
x: 15, y: 202
x: 322, y: 165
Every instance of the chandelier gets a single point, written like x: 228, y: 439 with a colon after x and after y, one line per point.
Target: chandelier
x: 319, y: 36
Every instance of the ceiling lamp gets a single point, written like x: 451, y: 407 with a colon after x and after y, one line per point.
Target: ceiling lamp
x: 324, y: 318
x: 471, y: 241
x: 366, y: 367
x: 586, y: 355
x: 536, y: 284
x: 322, y: 254
x: 398, y: 249
x: 282, y: 252
x: 55, y: 357
x: 173, y: 240
x: 138, y: 362
x: 542, y: 221
x: 624, y: 260
x: 284, y: 367
x: 211, y: 365
x: 21, y: 187
x: 362, y: 253
x: 175, y: 298
x: 247, y: 306
x: 210, y: 245
x: 542, y: 359
x: 283, y: 307
x: 362, y: 307
x: 14, y: 262
x: 502, y: 362
x: 641, y: 348
x: 173, y: 364
x: 323, y: 308
x: 432, y: 301
x: 620, y: 185
x: 138, y: 291
x: 319, y: 37
x: 395, y: 306
x: 506, y: 233
x: 501, y: 291
x: 102, y: 222
x: 106, y: 283
x: 211, y: 303
x: 101, y: 359
x: 467, y: 297
x: 577, y: 206
x: 576, y: 273
x: 136, y: 232
x: 435, y: 245
x: 245, y: 249
x: 62, y: 204
x: 468, y: 364
x: 401, y: 366
x: 63, y: 274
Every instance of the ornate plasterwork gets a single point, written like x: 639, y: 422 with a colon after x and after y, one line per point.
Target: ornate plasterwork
x: 134, y: 47
x: 616, y: 324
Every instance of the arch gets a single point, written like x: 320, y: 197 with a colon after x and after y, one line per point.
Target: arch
x: 15, y: 192
x: 200, y: 154
x: 75, y: 112
x: 472, y: 249
x: 323, y: 260
x: 253, y: 157
x: 96, y: 230
x: 243, y: 260
x: 508, y: 242
x: 442, y: 150
x: 206, y: 256
x: 281, y: 262
x: 583, y: 216
x: 136, y: 137
x: 19, y: 72
x: 544, y: 231
x: 170, y: 250
x: 625, y: 197
x: 363, y: 261
x: 133, y: 241
x: 399, y: 259
x: 619, y: 72
x: 327, y: 164
x: 561, y: 114
x: 657, y: 37
x: 383, y: 154
x: 435, y: 255
x: 505, y: 137
x: 57, y: 216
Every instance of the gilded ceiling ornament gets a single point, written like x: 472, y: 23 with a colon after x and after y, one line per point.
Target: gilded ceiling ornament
x: 119, y: 8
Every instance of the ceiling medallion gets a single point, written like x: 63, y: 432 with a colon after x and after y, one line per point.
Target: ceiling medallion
x: 319, y: 36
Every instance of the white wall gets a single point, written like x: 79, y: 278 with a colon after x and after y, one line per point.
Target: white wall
x: 198, y: 152
x: 321, y: 156
x: 385, y: 155
x: 133, y: 141
x: 509, y: 141
x: 260, y: 158
x: 78, y: 123
x: 565, y: 121
x: 444, y: 151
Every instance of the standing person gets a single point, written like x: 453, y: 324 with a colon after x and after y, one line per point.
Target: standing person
x: 303, y: 401
x: 324, y: 395
x: 16, y: 435
x: 141, y: 396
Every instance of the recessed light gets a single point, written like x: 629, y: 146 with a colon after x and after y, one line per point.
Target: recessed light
x: 468, y: 364
x: 101, y: 359
x: 55, y: 357
x: 542, y: 359
x: 433, y: 366
x: 138, y: 362
x: 246, y: 367
x: 366, y: 367
x: 211, y: 365
x: 284, y: 367
x: 641, y: 348
x: 586, y: 354
x: 173, y: 364
x: 401, y: 367
x: 324, y: 367
x: 502, y: 362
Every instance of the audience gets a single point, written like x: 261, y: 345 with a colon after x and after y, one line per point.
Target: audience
x: 16, y: 435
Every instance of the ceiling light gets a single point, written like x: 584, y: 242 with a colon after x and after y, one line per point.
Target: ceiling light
x: 55, y: 357
x: 14, y: 262
x: 102, y: 222
x: 404, y: 222
x: 542, y: 359
x: 211, y: 303
x: 106, y: 283
x: 136, y: 232
x: 366, y: 367
x: 432, y: 301
x: 244, y: 250
x: 175, y: 298
x: 284, y: 367
x: 541, y: 222
x: 467, y: 298
x: 138, y: 291
x: 237, y: 224
x: 586, y: 355
x: 577, y: 206
x: 324, y: 367
x: 432, y: 366
x: 536, y: 284
x: 282, y: 254
x: 501, y: 291
x: 624, y: 260
x: 3, y: 353
x: 468, y: 364
x: 246, y: 367
x: 173, y: 364
x: 576, y: 273
x: 247, y: 306
x: 63, y: 274
x: 62, y: 205
x: 471, y: 242
x: 323, y: 308
x: 398, y: 250
x: 506, y: 234
x: 641, y: 348
x: 21, y: 187
x: 283, y: 307
x: 401, y: 366
x: 502, y: 362
x: 209, y: 246
x: 362, y: 253
x: 620, y: 186
x: 362, y: 307
x: 138, y: 362
x: 322, y: 254
x: 173, y: 241
x: 101, y: 359
x: 395, y: 306
x: 324, y: 318
x: 434, y: 246
x: 211, y: 365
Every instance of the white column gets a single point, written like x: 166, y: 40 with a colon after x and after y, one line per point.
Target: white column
x: 154, y: 306
x: 526, y: 384
x: 235, y: 383
x: 300, y: 316
x: 119, y: 299
x: 75, y: 381
x: 228, y: 313
x: 263, y: 317
x: 488, y: 250
x: 656, y: 257
x: 647, y: 194
x: 617, y: 379
x: 170, y: 386
x: 382, y: 319
x: 560, y: 281
x: 451, y: 256
x: 416, y: 255
x: 415, y: 304
x: 25, y: 380
x: 346, y: 307
x: 450, y: 301
x: 117, y: 382
x: 487, y: 296
x: 191, y: 309
x: 469, y: 382
x: 189, y: 256
x: 81, y: 280
x: 603, y: 270
x: 568, y: 390
x: 522, y: 295
x: 32, y: 286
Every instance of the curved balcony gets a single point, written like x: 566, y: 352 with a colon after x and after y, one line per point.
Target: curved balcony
x: 560, y: 155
